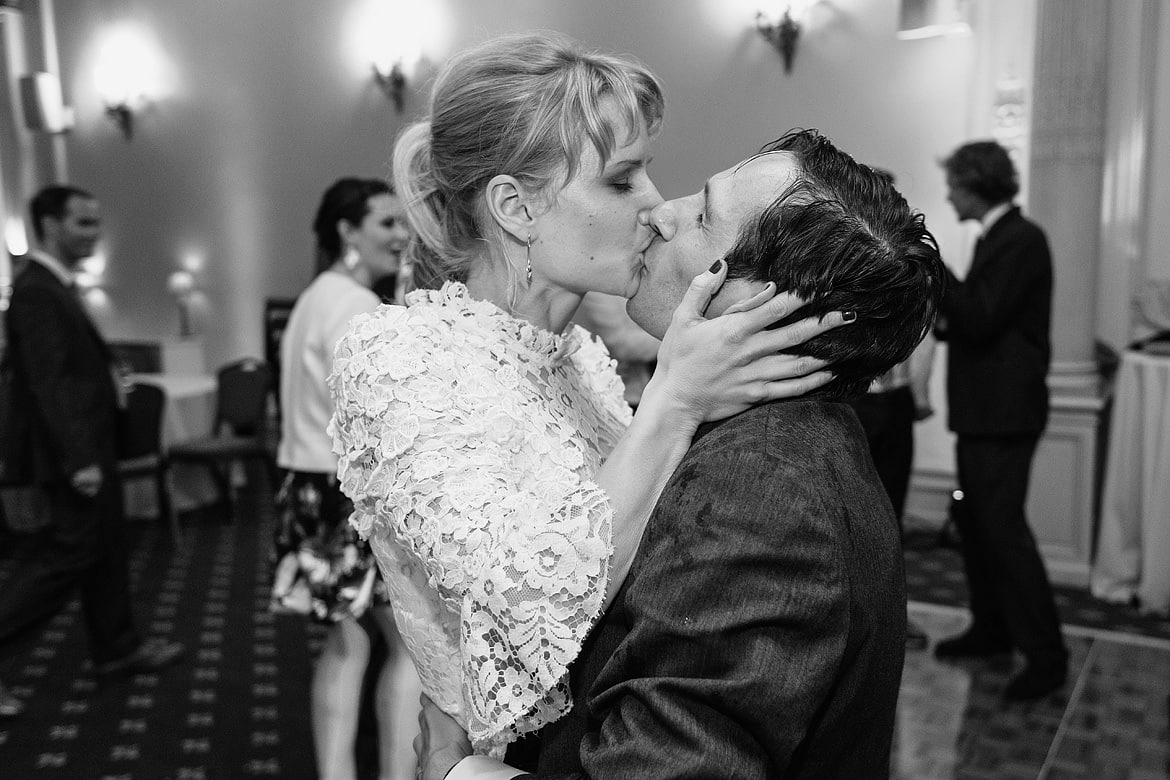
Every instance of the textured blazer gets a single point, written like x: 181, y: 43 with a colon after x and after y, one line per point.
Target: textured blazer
x: 62, y: 364
x: 997, y: 323
x: 760, y: 632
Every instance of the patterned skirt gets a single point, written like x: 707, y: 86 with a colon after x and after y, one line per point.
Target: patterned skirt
x: 321, y: 567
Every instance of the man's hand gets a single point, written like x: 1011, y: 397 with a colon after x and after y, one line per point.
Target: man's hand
x: 710, y: 369
x: 87, y: 481
x: 440, y: 744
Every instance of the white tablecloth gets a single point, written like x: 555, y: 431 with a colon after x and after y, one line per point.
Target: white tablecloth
x: 1133, y: 541
x: 189, y: 413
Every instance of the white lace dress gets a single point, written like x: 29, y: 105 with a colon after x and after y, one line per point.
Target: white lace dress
x: 468, y: 440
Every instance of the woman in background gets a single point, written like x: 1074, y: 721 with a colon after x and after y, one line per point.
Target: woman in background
x: 322, y: 569
x: 484, y: 440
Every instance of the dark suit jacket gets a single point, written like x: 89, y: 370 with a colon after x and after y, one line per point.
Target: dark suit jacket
x: 997, y: 324
x: 63, y: 365
x: 761, y: 630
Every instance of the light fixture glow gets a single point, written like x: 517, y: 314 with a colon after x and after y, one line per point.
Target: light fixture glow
x: 129, y: 72
x: 15, y: 237
x: 193, y: 260
x: 182, y: 285
x: 391, y: 37
x: 95, y: 264
x: 86, y: 280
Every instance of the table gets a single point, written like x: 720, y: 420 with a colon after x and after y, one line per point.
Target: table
x: 1133, y: 541
x: 189, y: 413
x: 164, y: 356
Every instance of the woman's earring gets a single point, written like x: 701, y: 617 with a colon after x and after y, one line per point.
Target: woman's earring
x: 351, y: 258
x: 528, y: 257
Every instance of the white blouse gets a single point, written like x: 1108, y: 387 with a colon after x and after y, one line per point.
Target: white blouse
x: 468, y: 440
x: 318, y: 319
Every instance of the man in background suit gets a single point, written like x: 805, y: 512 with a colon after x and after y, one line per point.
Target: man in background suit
x: 63, y: 368
x: 997, y: 322
x: 760, y: 631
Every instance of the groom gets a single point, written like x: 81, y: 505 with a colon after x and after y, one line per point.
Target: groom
x: 760, y: 631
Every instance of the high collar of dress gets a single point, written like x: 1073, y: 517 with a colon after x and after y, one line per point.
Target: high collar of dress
x: 541, y: 343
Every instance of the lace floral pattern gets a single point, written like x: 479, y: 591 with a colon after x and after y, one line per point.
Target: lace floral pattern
x: 467, y: 439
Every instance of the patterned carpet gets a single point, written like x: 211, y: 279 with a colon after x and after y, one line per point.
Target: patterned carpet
x: 934, y: 575
x: 236, y: 707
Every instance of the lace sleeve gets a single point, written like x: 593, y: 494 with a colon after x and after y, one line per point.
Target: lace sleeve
x: 442, y: 451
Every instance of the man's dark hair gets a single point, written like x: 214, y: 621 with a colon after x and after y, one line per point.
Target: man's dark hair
x: 841, y: 237
x: 348, y: 199
x: 984, y: 169
x: 52, y: 201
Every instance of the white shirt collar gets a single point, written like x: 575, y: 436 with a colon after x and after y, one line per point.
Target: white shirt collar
x: 992, y: 216
x: 54, y: 265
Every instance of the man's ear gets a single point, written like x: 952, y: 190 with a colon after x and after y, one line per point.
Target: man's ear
x: 732, y: 292
x: 50, y: 226
x: 511, y: 206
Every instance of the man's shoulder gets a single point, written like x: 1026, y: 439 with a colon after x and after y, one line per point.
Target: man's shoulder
x: 35, y: 285
x: 28, y: 273
x: 1014, y: 226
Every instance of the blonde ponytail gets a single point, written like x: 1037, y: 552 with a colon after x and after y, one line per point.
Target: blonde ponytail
x: 414, y: 181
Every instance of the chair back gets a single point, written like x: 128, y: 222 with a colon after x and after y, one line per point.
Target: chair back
x: 140, y: 431
x: 241, y: 401
x: 276, y: 315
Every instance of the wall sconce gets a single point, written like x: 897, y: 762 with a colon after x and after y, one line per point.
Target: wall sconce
x: 123, y: 118
x: 89, y: 281
x: 392, y: 82
x: 784, y: 33
x: 90, y: 273
x: 86, y: 281
x: 394, y: 38
x: 181, y: 284
x: 129, y: 73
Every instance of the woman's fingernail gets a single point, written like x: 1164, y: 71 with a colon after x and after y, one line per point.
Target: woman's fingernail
x: 716, y: 266
x: 848, y: 315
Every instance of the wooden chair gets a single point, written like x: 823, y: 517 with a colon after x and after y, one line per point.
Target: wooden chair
x: 140, y: 451
x: 239, y: 433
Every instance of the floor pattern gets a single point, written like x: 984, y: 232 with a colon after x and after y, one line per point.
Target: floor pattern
x: 1110, y: 722
x: 934, y: 575
x: 236, y: 707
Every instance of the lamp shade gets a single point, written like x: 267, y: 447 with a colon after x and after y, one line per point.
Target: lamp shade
x: 181, y: 283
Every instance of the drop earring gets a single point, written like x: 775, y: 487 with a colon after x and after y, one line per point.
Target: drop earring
x: 528, y: 257
x: 351, y: 258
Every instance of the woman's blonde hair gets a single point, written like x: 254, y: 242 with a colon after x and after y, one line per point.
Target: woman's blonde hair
x: 521, y: 105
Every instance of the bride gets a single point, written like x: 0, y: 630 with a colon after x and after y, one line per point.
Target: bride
x: 484, y: 440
